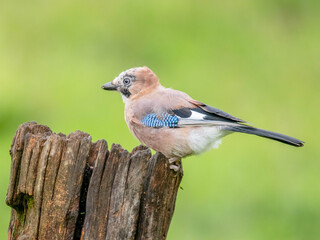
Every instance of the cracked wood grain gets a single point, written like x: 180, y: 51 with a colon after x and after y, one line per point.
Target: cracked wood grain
x: 66, y: 187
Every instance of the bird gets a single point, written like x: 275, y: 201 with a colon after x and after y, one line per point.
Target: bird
x: 171, y: 122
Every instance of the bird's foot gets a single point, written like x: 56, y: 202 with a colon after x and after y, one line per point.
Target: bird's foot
x: 174, y: 167
x: 175, y: 164
x: 174, y: 160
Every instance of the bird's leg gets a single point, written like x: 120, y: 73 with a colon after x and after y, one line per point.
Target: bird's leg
x: 175, y: 164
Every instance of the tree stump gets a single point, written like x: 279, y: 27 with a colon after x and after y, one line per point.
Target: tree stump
x: 66, y: 187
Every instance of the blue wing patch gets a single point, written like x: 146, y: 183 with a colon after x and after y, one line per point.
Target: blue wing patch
x: 166, y: 120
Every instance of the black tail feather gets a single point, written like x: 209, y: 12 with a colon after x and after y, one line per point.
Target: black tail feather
x: 267, y: 134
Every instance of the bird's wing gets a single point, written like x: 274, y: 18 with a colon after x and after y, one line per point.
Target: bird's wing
x: 194, y: 114
x: 172, y: 108
x: 207, y: 116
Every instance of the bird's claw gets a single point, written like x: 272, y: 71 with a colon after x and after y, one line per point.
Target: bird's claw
x: 174, y: 160
x: 174, y: 167
x: 175, y: 164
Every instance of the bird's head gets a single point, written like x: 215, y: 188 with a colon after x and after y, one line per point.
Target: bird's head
x: 133, y: 83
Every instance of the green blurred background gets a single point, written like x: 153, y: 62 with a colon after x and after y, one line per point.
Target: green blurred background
x: 258, y: 60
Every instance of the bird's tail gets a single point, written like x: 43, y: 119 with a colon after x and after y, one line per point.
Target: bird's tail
x: 267, y: 134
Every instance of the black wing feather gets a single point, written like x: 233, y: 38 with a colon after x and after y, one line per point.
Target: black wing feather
x: 217, y: 112
x: 210, y: 113
x: 182, y: 112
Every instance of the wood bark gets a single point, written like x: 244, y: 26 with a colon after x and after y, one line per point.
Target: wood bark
x: 66, y: 187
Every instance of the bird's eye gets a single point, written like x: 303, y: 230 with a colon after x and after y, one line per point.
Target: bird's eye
x: 126, y: 81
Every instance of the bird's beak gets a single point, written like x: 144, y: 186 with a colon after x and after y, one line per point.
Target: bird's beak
x: 109, y: 86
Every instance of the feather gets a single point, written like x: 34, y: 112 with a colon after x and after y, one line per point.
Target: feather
x: 184, y: 117
x: 214, y: 112
x: 164, y: 120
x: 267, y: 134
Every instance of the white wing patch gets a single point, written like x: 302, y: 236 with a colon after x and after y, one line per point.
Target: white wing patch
x: 197, y: 115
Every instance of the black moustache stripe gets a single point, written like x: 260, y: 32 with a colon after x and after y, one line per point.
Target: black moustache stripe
x: 125, y: 92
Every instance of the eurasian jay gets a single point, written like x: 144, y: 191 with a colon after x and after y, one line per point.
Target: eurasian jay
x: 171, y: 122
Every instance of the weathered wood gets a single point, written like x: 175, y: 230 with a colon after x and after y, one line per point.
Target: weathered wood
x: 158, y: 199
x: 66, y: 187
